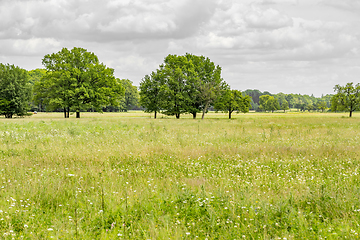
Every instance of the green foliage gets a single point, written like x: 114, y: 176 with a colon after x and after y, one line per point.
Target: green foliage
x: 150, y: 92
x: 321, y: 105
x: 131, y: 97
x: 183, y: 84
x: 284, y: 105
x: 15, y: 91
x: 347, y: 98
x: 76, y: 80
x: 35, y: 75
x: 232, y: 100
x: 268, y: 103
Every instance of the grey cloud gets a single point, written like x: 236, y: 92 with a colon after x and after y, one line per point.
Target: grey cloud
x: 103, y: 21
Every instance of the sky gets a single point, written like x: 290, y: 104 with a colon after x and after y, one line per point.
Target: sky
x: 289, y: 46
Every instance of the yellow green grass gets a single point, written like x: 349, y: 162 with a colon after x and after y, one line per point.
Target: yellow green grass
x: 128, y: 176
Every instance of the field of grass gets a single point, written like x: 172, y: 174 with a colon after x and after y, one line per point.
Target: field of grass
x: 127, y: 176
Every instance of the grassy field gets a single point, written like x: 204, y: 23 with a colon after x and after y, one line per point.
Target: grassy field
x: 127, y: 176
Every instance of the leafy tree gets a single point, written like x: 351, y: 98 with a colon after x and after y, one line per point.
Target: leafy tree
x: 76, y: 80
x: 272, y: 104
x: 263, y: 102
x: 269, y: 103
x: 232, y: 100
x: 131, y: 97
x: 150, y: 92
x: 177, y: 92
x: 183, y: 84
x: 284, y: 105
x: 15, y: 91
x: 321, y: 105
x: 34, y: 77
x: 206, y: 85
x: 309, y: 107
x: 347, y: 98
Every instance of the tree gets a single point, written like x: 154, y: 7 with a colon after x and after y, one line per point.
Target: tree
x: 321, y: 105
x: 15, y: 91
x: 268, y: 103
x: 263, y: 102
x: 34, y: 77
x: 232, y: 100
x: 150, y: 92
x: 284, y: 105
x: 189, y: 84
x: 76, y: 80
x: 205, y: 86
x: 347, y: 98
x: 131, y: 97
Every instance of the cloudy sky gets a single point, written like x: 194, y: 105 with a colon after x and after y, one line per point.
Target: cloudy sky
x: 290, y: 46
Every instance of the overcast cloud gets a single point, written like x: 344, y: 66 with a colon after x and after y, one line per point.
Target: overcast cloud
x: 290, y: 46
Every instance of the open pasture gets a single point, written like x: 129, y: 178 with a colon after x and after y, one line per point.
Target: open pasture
x: 126, y: 176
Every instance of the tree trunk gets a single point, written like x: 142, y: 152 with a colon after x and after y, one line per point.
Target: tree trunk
x: 65, y: 115
x: 350, y: 114
x: 229, y: 114
x: 155, y: 115
x: 194, y: 115
x: 177, y: 115
x: 204, y: 110
x: 77, y: 114
x: 68, y: 113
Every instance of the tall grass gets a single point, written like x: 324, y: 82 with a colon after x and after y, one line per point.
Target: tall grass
x: 126, y: 176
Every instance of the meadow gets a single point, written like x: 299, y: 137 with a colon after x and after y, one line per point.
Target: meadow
x: 128, y: 176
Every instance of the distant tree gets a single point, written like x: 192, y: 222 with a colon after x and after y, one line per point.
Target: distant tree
x: 347, y: 98
x: 284, y: 105
x: 15, y: 91
x: 75, y: 80
x: 321, y: 105
x: 232, y: 100
x: 34, y: 77
x: 263, y: 102
x: 273, y: 104
x: 131, y: 97
x: 269, y: 103
x: 309, y: 107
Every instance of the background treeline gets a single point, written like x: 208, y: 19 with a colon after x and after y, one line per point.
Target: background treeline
x: 76, y: 81
x: 288, y: 101
x: 130, y: 101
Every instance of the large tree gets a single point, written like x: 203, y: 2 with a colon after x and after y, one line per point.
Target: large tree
x: 188, y: 84
x: 76, y: 80
x: 15, y: 91
x: 206, y: 85
x: 150, y: 92
x: 232, y: 100
x: 347, y: 98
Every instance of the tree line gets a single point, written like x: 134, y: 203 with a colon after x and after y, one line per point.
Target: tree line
x: 75, y: 80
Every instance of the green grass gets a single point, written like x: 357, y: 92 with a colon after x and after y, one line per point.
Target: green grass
x: 127, y: 176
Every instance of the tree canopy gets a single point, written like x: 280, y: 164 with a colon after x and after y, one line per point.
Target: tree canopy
x: 182, y: 84
x: 232, y: 100
x: 76, y: 80
x: 15, y: 91
x: 347, y: 98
